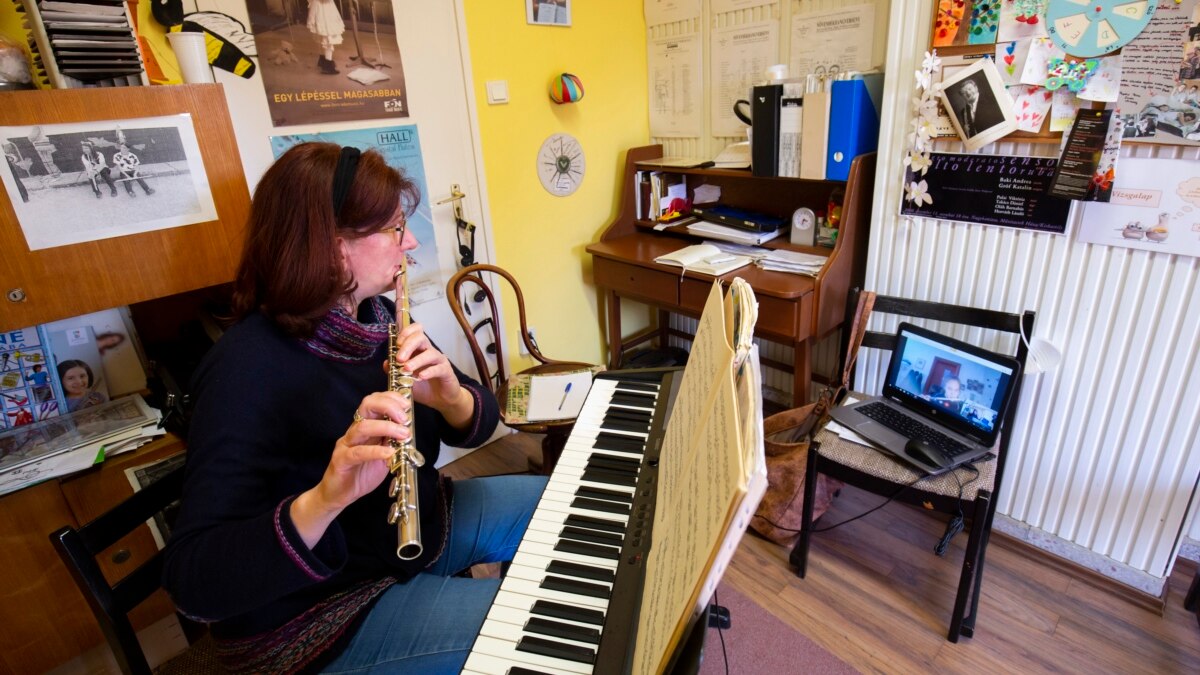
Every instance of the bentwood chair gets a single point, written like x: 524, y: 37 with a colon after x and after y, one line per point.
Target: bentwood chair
x: 470, y: 287
x: 966, y: 495
x: 80, y: 549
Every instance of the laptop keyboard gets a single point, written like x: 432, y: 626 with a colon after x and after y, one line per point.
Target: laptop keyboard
x: 907, y: 426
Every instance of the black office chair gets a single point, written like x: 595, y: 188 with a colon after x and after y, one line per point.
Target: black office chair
x: 871, y: 470
x: 111, y: 603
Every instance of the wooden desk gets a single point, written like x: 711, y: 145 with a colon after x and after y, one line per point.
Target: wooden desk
x: 794, y: 310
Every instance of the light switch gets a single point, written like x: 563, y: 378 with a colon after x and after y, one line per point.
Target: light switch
x: 497, y: 91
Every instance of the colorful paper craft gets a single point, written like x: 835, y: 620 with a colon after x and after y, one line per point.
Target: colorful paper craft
x: 1037, y: 63
x: 985, y: 19
x: 1030, y: 105
x: 1104, y: 84
x: 949, y: 18
x: 1010, y: 58
x: 1021, y: 19
x: 1070, y: 74
x: 1063, y: 107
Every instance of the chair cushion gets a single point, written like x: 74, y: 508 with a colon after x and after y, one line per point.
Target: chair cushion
x: 198, y: 659
x: 877, y: 463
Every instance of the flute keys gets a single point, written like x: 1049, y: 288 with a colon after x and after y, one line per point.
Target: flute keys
x: 394, y: 489
x: 415, y: 456
x: 394, y: 513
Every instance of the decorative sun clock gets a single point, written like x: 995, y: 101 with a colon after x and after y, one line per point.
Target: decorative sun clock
x: 560, y: 164
x: 1089, y: 28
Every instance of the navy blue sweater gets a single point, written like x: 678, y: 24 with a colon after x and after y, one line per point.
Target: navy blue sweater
x: 268, y: 412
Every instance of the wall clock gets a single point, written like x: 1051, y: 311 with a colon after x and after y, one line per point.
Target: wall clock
x: 560, y: 164
x: 1094, y: 27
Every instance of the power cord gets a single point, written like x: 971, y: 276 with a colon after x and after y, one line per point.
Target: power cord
x: 721, y: 634
x: 851, y: 520
x: 956, y: 523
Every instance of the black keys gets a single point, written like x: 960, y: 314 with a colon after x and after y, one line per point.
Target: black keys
x: 518, y: 670
x: 563, y: 630
x: 610, y: 441
x: 556, y: 650
x: 599, y: 504
x: 632, y: 400
x: 637, y: 386
x: 568, y: 612
x: 580, y: 534
x: 593, y: 550
x: 553, y: 583
x: 594, y: 523
x: 580, y: 570
x: 601, y: 493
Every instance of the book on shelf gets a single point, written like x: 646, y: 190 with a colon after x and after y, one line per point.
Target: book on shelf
x: 122, y: 362
x: 55, y: 447
x: 733, y: 234
x: 705, y: 259
x: 742, y: 219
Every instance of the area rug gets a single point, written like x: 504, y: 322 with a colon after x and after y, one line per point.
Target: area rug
x: 757, y: 642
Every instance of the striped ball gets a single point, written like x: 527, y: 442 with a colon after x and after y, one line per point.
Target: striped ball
x: 566, y: 88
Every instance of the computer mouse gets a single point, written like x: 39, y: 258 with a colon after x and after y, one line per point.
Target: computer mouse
x: 923, y: 452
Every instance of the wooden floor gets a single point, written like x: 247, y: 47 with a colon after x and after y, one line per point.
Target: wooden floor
x: 879, y: 598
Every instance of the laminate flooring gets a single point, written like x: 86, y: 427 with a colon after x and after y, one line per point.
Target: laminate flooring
x: 879, y: 598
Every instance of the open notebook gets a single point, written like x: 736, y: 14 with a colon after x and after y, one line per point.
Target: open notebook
x: 705, y: 259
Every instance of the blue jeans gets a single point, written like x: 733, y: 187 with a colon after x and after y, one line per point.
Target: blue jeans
x: 429, y: 624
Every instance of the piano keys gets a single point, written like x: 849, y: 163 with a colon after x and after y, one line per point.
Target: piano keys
x: 569, y: 601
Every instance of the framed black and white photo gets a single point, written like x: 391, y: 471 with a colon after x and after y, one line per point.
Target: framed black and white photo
x: 548, y: 12
x: 978, y: 104
x: 85, y: 181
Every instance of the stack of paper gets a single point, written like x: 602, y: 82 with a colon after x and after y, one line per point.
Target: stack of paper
x: 792, y: 261
x: 707, y: 229
x: 706, y: 194
x: 36, y: 452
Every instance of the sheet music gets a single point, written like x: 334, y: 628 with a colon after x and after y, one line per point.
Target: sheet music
x: 702, y: 479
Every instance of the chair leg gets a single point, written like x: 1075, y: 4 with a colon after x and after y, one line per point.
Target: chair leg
x: 968, y: 627
x: 799, y: 554
x: 968, y: 581
x: 1193, y: 594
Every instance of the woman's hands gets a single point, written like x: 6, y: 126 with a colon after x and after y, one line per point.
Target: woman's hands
x: 436, y: 386
x: 358, y: 465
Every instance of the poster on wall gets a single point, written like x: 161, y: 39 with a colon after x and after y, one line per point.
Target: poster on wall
x: 1160, y: 77
x: 670, y: 11
x: 401, y: 148
x: 319, y: 66
x: 740, y: 56
x: 991, y: 190
x: 85, y: 181
x: 834, y: 41
x: 675, y: 86
x: 1155, y: 206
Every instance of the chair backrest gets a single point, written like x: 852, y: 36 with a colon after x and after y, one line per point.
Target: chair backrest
x: 1003, y: 322
x: 470, y: 286
x: 111, y: 603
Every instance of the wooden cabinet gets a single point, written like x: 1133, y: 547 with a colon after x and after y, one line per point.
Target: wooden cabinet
x: 46, y: 620
x: 794, y: 310
x: 67, y: 281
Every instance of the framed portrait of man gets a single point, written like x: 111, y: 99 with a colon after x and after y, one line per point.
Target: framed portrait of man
x: 978, y: 104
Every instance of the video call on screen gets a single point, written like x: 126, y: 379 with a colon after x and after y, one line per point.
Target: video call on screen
x: 962, y: 384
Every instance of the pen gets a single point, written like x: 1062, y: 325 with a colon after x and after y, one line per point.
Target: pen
x: 564, y: 398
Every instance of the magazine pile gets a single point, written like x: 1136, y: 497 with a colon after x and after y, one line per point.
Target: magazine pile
x: 61, y: 445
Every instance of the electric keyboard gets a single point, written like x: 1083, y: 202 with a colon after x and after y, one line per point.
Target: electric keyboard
x: 570, y: 599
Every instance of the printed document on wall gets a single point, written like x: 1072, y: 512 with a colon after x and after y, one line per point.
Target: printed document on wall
x: 834, y: 41
x: 675, y: 86
x: 740, y: 58
x: 670, y: 11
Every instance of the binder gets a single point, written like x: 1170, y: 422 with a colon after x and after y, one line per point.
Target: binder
x: 765, y: 101
x: 854, y: 111
x: 815, y: 128
x: 791, y: 119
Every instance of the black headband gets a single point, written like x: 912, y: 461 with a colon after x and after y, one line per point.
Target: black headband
x: 343, y: 176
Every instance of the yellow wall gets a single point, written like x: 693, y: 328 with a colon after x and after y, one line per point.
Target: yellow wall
x: 540, y: 238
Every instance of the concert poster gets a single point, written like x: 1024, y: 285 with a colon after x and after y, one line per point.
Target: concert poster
x: 328, y: 60
x: 401, y: 148
x: 991, y: 190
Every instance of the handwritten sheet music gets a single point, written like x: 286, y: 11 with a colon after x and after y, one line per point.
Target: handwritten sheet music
x: 702, y: 480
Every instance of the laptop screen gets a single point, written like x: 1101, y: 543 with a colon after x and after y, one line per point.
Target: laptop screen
x: 958, y: 385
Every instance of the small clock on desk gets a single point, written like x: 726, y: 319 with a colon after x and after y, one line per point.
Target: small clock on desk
x: 804, y: 227
x: 560, y: 164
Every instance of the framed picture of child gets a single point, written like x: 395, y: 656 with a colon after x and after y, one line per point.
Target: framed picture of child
x: 978, y: 104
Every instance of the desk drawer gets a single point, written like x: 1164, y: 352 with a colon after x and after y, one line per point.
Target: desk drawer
x: 633, y: 281
x: 781, y: 319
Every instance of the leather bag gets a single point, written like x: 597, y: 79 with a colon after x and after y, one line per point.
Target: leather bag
x: 787, y: 438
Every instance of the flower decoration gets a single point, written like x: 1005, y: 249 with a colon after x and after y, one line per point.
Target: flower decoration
x: 920, y: 139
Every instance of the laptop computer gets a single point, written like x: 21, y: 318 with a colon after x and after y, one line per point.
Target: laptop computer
x: 942, y: 402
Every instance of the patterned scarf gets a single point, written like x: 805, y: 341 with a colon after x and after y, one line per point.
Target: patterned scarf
x: 343, y: 338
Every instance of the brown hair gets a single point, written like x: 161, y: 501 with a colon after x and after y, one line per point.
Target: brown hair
x: 291, y: 268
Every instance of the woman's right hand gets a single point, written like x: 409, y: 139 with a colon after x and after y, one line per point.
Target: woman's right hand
x: 358, y: 465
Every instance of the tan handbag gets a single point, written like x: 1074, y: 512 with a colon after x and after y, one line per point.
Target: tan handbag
x: 787, y: 438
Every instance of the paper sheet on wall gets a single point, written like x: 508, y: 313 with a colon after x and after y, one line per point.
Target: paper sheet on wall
x: 675, y: 86
x: 740, y: 58
x: 1150, y: 66
x: 1155, y: 206
x: 670, y: 11
x: 722, y: 6
x: 834, y: 41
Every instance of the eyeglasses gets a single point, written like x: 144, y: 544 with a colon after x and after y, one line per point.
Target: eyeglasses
x: 398, y: 230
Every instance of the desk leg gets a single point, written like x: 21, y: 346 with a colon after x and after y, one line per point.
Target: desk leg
x: 613, y: 307
x: 664, y: 328
x: 802, y: 364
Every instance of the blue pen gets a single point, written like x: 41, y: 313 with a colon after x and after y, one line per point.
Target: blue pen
x: 564, y: 398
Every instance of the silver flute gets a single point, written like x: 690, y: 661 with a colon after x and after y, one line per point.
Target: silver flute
x: 405, y: 512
